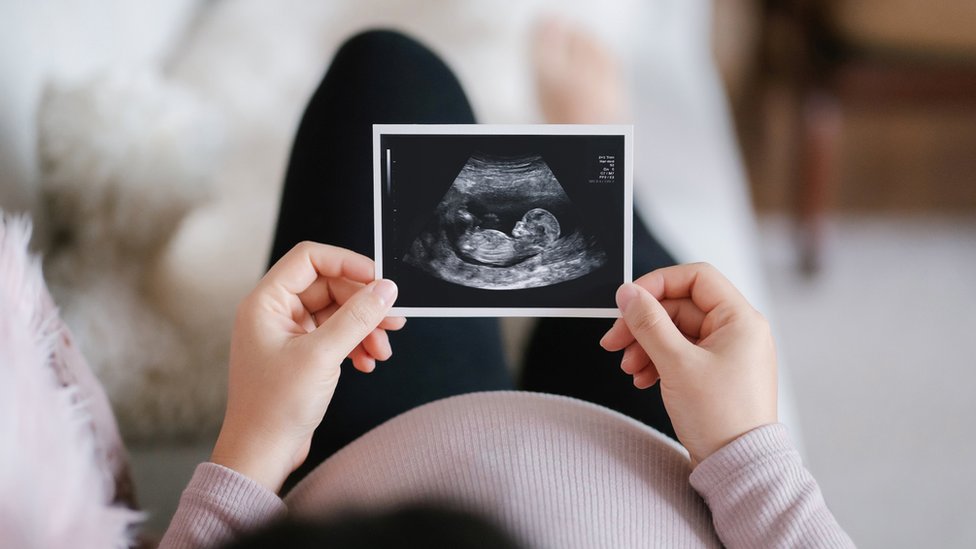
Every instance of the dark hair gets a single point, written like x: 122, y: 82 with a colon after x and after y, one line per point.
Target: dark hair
x: 417, y: 525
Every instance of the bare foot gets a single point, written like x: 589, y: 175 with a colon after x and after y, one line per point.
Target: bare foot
x: 578, y: 80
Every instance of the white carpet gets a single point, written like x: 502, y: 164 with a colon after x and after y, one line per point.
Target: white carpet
x: 880, y: 348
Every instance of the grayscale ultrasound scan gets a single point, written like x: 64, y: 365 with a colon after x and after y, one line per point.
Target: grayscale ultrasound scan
x: 477, y: 220
x: 498, y: 228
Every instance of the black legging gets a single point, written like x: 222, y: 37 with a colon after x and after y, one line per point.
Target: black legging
x: 385, y: 77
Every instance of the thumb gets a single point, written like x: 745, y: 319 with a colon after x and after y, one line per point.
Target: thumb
x: 652, y: 326
x: 356, y: 318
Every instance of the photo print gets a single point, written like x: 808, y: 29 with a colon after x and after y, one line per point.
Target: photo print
x: 482, y: 220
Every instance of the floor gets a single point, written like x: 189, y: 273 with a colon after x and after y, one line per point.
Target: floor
x: 880, y: 347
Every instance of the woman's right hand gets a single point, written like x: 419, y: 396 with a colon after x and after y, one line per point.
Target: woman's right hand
x: 316, y: 306
x: 688, y: 326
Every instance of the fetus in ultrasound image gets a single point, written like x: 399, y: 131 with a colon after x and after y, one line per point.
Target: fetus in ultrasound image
x: 505, y: 223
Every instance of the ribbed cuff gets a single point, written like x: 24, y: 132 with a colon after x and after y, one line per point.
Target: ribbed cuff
x: 744, y: 454
x: 217, y: 506
x: 246, y: 499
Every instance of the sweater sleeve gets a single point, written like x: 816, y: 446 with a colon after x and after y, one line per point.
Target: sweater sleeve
x: 761, y: 495
x: 217, y: 506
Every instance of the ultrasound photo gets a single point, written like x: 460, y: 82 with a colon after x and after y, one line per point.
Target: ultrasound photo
x: 479, y: 220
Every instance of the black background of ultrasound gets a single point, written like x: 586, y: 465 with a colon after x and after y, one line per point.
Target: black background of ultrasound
x: 425, y: 167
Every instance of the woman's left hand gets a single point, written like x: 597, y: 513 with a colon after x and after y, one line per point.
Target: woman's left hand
x: 315, y: 307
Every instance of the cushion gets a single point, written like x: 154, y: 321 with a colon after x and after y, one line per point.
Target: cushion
x: 64, y: 482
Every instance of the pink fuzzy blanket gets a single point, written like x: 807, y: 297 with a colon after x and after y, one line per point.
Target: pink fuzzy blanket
x: 63, y: 475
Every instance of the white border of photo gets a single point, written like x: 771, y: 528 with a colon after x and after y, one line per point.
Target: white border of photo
x: 626, y: 131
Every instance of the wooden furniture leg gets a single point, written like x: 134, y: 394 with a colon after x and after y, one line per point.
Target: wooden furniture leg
x: 820, y: 125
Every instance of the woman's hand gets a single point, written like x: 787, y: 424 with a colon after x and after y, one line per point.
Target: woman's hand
x: 316, y: 306
x: 689, y: 327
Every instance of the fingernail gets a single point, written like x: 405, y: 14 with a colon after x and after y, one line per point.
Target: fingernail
x: 625, y: 295
x: 386, y: 290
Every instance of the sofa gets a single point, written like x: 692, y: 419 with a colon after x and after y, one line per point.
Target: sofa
x: 255, y: 64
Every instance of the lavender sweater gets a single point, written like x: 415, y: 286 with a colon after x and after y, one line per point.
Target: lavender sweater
x: 553, y: 471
